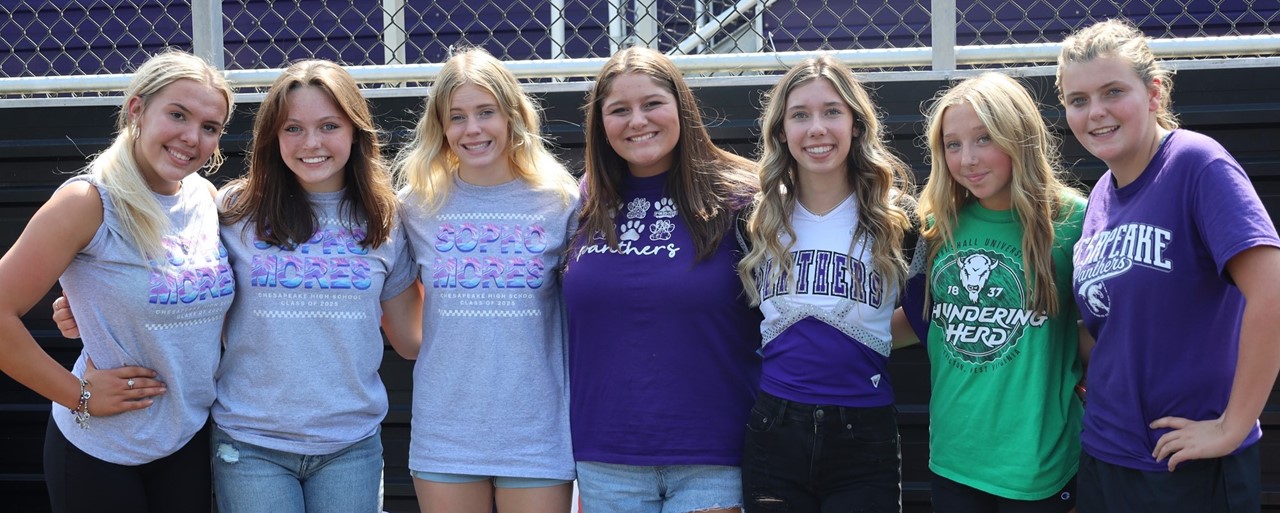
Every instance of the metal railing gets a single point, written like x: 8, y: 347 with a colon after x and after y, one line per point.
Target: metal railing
x: 71, y: 48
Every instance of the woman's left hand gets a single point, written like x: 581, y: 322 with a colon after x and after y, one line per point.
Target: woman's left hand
x: 1192, y: 440
x: 122, y: 389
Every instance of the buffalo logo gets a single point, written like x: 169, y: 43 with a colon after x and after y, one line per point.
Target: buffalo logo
x: 979, y: 306
x: 974, y: 271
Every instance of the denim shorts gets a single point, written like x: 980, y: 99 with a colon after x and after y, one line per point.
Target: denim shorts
x: 658, y: 489
x: 250, y: 479
x: 498, y: 481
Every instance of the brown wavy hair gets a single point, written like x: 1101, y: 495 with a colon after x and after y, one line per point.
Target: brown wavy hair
x: 268, y: 196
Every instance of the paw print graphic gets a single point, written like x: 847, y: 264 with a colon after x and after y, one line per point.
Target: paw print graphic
x: 631, y: 230
x: 637, y: 208
x: 661, y: 230
x: 664, y: 209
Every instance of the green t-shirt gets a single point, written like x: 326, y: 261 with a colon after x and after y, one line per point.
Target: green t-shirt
x: 1004, y: 417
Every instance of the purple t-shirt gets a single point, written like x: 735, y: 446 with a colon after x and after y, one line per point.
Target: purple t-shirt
x: 662, y: 360
x: 1151, y: 282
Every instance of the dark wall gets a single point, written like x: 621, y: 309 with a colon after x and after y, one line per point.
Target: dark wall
x: 40, y: 147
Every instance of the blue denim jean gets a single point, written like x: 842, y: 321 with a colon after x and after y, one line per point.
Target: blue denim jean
x: 251, y: 479
x: 811, y: 458
x: 614, y: 488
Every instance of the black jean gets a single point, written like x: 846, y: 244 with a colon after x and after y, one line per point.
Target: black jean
x: 802, y: 457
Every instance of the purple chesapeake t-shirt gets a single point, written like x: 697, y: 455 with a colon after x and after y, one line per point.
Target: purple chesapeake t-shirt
x: 1151, y: 282
x: 662, y: 362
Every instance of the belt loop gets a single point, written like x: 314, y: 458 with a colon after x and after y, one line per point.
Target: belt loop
x: 844, y: 415
x: 782, y: 408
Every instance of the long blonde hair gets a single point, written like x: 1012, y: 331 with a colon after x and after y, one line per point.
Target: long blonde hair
x: 881, y: 183
x: 1039, y: 195
x: 116, y: 167
x: 426, y: 166
x: 707, y: 183
x: 1118, y: 37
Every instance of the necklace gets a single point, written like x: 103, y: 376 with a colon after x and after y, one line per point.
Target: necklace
x: 179, y: 234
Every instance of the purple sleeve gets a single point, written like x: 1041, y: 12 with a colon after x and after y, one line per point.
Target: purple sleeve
x: 913, y: 306
x: 1229, y: 216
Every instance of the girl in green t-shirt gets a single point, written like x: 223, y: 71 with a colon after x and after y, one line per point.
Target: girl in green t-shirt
x: 994, y: 305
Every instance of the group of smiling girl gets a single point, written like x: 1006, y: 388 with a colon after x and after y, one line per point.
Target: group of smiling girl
x: 686, y: 330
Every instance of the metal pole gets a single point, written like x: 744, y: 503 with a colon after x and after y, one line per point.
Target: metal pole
x: 646, y: 25
x: 394, y: 37
x: 557, y: 29
x: 615, y: 26
x: 206, y: 31
x: 704, y: 32
x: 944, y: 34
x: 700, y: 15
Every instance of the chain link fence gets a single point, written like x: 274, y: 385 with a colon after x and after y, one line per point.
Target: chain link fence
x: 43, y: 38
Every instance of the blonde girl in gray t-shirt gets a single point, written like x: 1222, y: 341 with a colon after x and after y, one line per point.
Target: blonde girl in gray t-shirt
x: 134, y: 242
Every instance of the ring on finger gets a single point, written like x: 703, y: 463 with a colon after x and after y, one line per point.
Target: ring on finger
x: 129, y: 383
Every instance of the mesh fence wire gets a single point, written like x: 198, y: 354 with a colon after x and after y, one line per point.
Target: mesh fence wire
x: 77, y: 37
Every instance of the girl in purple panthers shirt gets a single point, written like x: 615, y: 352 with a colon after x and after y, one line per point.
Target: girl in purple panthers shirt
x: 1177, y: 276
x: 826, y: 268
x: 661, y: 341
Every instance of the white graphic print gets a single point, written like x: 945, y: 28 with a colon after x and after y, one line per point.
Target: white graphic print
x: 974, y: 271
x: 1098, y: 299
x: 1111, y: 253
x: 631, y: 230
x: 637, y: 209
x: 661, y: 230
x: 664, y: 209
x: 875, y: 381
x: 980, y: 304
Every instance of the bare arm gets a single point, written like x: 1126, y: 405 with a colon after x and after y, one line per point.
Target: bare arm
x: 53, y: 237
x: 901, y: 331
x: 1085, y: 343
x: 1257, y: 273
x: 402, y: 321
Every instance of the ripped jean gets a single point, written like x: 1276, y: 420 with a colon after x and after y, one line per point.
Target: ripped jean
x: 806, y: 458
x: 251, y: 479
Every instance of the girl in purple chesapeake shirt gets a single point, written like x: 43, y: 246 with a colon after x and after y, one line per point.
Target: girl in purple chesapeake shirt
x: 1177, y: 276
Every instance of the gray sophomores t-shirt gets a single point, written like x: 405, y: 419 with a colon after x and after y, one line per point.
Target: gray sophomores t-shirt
x: 166, y: 316
x: 490, y: 389
x: 300, y: 373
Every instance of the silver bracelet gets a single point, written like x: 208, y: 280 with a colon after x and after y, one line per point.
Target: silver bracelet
x: 81, y: 413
